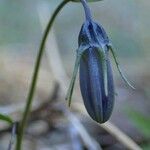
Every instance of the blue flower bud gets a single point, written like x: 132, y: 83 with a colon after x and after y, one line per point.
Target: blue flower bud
x: 96, y: 79
x: 97, y: 100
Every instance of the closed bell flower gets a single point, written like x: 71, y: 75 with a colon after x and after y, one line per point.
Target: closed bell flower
x: 96, y: 78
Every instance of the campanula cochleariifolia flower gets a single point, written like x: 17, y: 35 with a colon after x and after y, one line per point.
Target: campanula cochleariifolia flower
x: 96, y: 78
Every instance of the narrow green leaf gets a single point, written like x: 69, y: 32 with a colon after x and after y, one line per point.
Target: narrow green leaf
x: 87, y: 0
x: 6, y: 118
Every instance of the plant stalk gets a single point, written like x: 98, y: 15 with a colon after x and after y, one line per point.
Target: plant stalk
x: 30, y: 96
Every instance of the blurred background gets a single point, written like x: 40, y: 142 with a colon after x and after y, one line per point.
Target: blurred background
x: 21, y: 27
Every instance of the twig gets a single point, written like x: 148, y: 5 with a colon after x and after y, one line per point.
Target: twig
x: 13, y: 134
x: 75, y: 140
x: 113, y: 130
x: 89, y: 142
x: 120, y: 136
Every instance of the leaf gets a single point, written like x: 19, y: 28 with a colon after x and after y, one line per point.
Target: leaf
x: 87, y: 0
x: 6, y: 118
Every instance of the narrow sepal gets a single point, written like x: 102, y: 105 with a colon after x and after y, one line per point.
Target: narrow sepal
x: 71, y: 86
x: 119, y: 69
x: 80, y: 52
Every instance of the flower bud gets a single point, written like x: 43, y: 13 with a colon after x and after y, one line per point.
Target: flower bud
x: 96, y: 79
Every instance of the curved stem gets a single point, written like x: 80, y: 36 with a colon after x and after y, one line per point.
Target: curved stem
x: 35, y: 76
x: 87, y: 10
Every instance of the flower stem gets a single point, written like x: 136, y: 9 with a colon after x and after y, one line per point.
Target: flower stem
x: 87, y: 10
x: 35, y: 77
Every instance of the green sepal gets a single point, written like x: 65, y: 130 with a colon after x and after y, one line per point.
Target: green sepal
x: 118, y: 67
x: 80, y: 52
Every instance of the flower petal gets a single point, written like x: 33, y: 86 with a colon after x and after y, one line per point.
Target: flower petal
x: 98, y: 105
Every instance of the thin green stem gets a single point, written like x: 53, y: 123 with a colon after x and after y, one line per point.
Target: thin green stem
x: 35, y: 77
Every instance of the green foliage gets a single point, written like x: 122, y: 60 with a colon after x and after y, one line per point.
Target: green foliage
x: 6, y: 118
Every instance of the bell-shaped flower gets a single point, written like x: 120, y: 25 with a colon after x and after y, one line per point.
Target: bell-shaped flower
x: 96, y: 78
